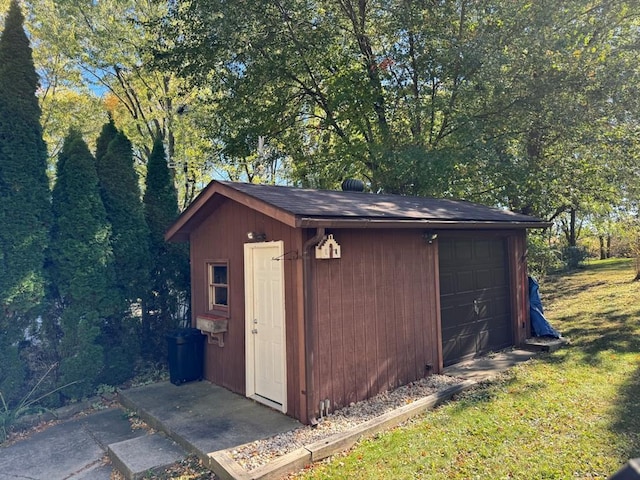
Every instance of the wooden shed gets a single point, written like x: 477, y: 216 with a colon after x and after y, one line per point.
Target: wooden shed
x: 313, y: 299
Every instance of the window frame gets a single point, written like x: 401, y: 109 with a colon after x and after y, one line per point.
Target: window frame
x: 212, y: 306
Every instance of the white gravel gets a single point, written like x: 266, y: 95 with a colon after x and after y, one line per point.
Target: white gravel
x: 258, y: 453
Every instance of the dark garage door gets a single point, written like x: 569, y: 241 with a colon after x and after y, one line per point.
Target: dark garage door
x: 474, y: 297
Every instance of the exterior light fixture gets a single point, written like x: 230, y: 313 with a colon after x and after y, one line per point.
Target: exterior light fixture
x: 429, y: 236
x: 256, y: 237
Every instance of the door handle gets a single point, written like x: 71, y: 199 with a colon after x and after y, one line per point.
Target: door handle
x: 476, y: 307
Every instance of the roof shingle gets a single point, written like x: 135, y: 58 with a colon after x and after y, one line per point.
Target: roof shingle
x: 303, y: 207
x: 338, y: 204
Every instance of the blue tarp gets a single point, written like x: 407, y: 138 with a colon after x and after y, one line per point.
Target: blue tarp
x: 539, y: 325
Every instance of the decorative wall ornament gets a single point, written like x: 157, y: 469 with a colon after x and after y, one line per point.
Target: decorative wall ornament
x: 328, y: 248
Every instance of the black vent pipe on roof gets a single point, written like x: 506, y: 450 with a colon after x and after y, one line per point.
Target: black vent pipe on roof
x: 352, y: 185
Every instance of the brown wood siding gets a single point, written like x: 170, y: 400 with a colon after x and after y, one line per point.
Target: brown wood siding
x: 222, y: 236
x: 517, y: 246
x: 376, y: 314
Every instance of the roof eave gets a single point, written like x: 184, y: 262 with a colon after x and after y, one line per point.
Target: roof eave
x: 360, y: 222
x: 193, y: 216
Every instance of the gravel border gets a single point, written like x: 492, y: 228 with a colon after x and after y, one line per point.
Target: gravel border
x: 259, y: 453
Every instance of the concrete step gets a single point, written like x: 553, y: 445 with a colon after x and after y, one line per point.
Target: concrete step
x: 545, y: 344
x: 139, y: 456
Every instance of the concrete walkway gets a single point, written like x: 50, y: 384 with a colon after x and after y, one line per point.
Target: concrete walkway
x: 487, y: 367
x: 75, y: 449
x: 199, y: 418
x: 196, y: 417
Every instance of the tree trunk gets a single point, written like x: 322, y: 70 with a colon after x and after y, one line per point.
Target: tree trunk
x: 572, y: 228
x: 608, y: 252
x: 603, y: 253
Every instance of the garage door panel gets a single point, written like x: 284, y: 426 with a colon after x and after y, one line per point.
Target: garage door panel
x: 483, y: 341
x: 482, y: 249
x: 460, y: 346
x: 485, y: 278
x: 493, y: 307
x: 482, y: 309
x: 475, y: 297
x: 501, y: 307
x: 499, y: 278
x: 447, y: 283
x: 467, y: 342
x: 459, y: 316
x: 500, y: 336
x: 464, y: 297
x: 446, y: 253
x: 464, y: 282
x: 449, y: 348
x: 463, y: 250
x: 493, y: 340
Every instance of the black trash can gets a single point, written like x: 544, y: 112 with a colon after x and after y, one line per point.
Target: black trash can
x: 186, y: 355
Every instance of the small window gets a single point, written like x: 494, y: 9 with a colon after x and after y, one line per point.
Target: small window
x: 218, y: 281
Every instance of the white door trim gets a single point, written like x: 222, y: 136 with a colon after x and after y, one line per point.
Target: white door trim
x: 250, y: 383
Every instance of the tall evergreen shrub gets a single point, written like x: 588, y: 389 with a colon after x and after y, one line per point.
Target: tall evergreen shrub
x: 120, y: 192
x: 122, y: 199
x: 108, y: 133
x: 24, y: 198
x: 168, y: 299
x: 81, y: 267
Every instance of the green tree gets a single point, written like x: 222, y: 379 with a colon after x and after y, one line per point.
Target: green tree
x: 566, y: 78
x: 103, y: 63
x: 120, y: 193
x: 107, y: 134
x: 65, y: 108
x: 25, y: 212
x: 493, y: 101
x: 114, y: 56
x: 384, y: 90
x: 167, y: 302
x: 81, y: 266
x: 66, y: 100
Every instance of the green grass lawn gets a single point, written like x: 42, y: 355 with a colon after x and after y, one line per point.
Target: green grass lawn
x: 574, y: 413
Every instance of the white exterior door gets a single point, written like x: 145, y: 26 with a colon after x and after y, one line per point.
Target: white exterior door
x: 265, y: 327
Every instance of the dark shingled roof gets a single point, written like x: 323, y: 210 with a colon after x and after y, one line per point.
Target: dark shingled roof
x: 308, y: 208
x: 338, y: 204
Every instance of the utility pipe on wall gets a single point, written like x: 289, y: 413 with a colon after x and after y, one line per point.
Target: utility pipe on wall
x: 309, y: 321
